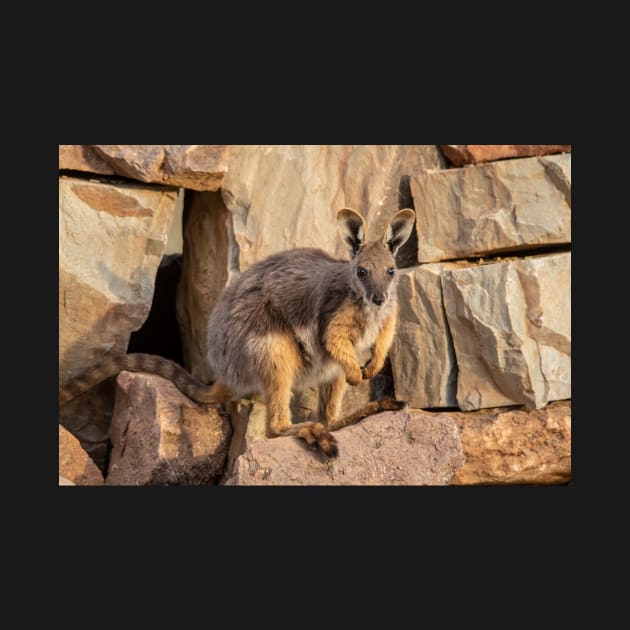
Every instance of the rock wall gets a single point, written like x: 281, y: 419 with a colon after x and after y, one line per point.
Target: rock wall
x: 483, y: 344
x: 111, y: 240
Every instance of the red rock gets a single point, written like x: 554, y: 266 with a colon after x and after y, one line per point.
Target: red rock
x: 161, y: 437
x: 516, y: 446
x: 392, y: 448
x: 81, y: 157
x: 75, y: 464
x: 462, y: 154
x: 193, y: 166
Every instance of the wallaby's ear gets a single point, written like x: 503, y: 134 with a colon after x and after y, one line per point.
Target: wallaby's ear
x: 399, y: 229
x: 351, y: 229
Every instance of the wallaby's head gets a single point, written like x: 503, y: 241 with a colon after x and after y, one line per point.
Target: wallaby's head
x: 373, y: 267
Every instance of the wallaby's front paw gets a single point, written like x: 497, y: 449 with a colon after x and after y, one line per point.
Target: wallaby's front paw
x: 369, y: 371
x: 354, y: 377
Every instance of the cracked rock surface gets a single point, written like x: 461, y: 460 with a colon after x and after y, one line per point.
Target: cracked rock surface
x: 511, y: 328
x: 493, y: 207
x: 161, y: 437
x: 392, y: 448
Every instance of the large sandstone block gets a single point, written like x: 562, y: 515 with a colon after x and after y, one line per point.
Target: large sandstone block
x: 511, y: 328
x: 422, y: 354
x: 288, y: 196
x: 82, y: 157
x: 76, y: 468
x: 193, y: 166
x: 462, y: 154
x: 494, y: 207
x: 111, y: 240
x: 161, y: 437
x: 515, y: 445
x: 391, y: 448
x: 206, y: 265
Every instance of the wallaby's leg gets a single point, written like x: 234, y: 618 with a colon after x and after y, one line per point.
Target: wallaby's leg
x: 279, y: 422
x: 330, y: 397
x: 381, y: 346
x: 278, y: 397
x: 280, y: 368
x: 338, y: 340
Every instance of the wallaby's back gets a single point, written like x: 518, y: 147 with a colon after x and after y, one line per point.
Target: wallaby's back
x: 290, y: 293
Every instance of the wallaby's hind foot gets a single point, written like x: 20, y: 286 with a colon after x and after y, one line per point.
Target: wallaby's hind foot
x: 369, y: 409
x: 314, y: 434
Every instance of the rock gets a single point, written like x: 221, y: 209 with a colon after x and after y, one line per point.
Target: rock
x: 111, y: 240
x: 175, y: 238
x: 89, y: 417
x: 81, y: 157
x: 249, y: 424
x: 422, y: 354
x: 205, y: 271
x: 193, y: 166
x: 516, y: 446
x: 413, y: 447
x: 462, y: 154
x: 161, y: 437
x: 75, y: 465
x: 492, y: 208
x: 392, y: 448
x: 288, y: 196
x: 511, y: 328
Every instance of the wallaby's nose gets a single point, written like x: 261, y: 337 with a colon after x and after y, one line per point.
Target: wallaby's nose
x: 378, y: 299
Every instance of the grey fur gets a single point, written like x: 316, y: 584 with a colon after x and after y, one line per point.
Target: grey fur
x: 297, y: 292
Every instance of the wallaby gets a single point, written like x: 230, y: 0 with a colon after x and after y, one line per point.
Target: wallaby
x: 294, y: 320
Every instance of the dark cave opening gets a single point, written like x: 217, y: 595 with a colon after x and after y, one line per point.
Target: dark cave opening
x: 160, y: 332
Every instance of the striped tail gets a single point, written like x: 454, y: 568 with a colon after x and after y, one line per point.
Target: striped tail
x: 138, y: 362
x: 369, y: 409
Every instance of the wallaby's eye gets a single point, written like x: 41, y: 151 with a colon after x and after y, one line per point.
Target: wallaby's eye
x: 361, y: 272
x: 390, y: 271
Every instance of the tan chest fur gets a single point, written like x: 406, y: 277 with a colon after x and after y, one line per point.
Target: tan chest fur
x: 320, y: 368
x: 373, y: 321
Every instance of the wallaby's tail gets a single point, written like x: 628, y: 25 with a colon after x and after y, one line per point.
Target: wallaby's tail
x: 138, y: 362
x: 370, y: 408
